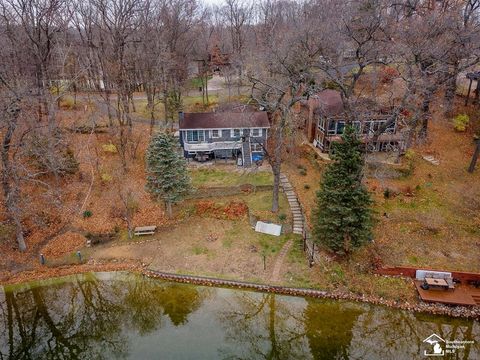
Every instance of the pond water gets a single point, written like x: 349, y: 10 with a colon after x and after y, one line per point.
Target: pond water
x: 127, y: 316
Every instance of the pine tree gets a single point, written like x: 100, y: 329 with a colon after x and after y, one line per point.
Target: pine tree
x: 167, y: 175
x: 343, y: 217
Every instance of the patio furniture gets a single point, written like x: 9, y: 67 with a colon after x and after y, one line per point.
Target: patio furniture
x: 436, y: 284
x: 145, y: 230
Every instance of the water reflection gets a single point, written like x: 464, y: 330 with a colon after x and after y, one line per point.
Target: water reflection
x: 86, y: 318
x: 264, y: 328
x: 128, y: 316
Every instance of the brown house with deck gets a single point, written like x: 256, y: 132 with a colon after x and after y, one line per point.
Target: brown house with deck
x: 326, y: 120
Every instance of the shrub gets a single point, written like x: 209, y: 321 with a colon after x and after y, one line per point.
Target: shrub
x: 306, y: 186
x: 282, y: 217
x: 303, y: 172
x: 66, y: 103
x: 388, y: 73
x: 106, y: 177
x: 460, y: 122
x: 109, y: 148
x: 409, y: 154
x: 387, y: 193
x: 329, y: 84
x: 70, y: 164
x: 87, y: 214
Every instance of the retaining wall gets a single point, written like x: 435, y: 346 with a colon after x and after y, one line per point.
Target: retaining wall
x: 220, y: 191
x: 455, y: 311
x: 208, y: 281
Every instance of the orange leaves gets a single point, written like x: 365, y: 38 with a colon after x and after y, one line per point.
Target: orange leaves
x: 231, y: 211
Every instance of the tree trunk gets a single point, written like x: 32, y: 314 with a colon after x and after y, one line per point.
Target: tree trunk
x: 134, y: 109
x: 277, y: 164
x: 206, y: 89
x: 150, y: 106
x: 9, y: 181
x: 473, y: 163
x: 109, y: 111
x: 427, y: 98
x: 168, y: 206
x: 450, y: 91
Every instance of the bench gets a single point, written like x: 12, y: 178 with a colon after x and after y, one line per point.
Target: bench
x: 144, y: 230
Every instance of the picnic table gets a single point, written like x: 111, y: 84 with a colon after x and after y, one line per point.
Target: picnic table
x: 145, y: 230
x: 435, y: 283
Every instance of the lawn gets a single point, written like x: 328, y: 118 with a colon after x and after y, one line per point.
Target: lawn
x: 195, y: 103
x: 203, y: 245
x: 209, y: 177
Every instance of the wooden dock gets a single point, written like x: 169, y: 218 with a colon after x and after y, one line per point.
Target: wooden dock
x: 461, y: 295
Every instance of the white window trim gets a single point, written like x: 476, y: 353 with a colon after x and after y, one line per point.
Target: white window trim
x: 195, y: 141
x: 219, y: 134
x: 259, y: 132
x: 232, y: 133
x: 321, y: 124
x: 255, y: 146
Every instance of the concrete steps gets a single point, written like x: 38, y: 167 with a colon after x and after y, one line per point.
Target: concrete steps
x: 295, y: 208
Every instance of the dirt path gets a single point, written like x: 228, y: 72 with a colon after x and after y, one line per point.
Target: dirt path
x: 279, y: 261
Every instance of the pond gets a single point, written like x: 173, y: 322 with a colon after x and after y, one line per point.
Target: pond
x: 127, y: 316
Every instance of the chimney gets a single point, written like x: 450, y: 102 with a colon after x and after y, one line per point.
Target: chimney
x: 180, y: 117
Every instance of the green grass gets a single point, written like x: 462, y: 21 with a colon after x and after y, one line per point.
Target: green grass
x: 196, y: 82
x: 199, y: 250
x: 141, y: 107
x: 189, y: 102
x: 227, y: 243
x: 215, y: 177
x: 271, y: 244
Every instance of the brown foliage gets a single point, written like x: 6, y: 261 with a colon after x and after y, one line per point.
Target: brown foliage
x: 63, y: 244
x: 231, y: 211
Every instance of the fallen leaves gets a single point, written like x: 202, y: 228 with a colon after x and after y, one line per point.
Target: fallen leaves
x: 231, y: 211
x: 63, y: 244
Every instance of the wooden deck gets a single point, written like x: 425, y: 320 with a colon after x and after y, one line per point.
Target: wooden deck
x: 461, y: 295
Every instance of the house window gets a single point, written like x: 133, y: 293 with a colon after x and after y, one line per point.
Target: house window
x: 377, y: 125
x: 256, y: 147
x: 340, y: 127
x: 195, y: 136
x: 390, y: 129
x: 321, y: 124
x: 235, y: 133
x: 357, y: 126
x: 256, y: 132
x: 332, y: 127
x: 215, y: 134
x: 366, y: 127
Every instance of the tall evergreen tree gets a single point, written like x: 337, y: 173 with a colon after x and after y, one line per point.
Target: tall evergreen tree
x: 343, y: 217
x: 167, y: 175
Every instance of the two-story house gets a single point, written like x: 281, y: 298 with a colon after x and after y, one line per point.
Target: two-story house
x: 326, y: 119
x: 224, y: 135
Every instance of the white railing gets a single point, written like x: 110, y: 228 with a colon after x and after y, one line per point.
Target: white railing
x: 221, y: 145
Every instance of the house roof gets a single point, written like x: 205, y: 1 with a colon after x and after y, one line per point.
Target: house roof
x: 329, y: 102
x: 224, y: 120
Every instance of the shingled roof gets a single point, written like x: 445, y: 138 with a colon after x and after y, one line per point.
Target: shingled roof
x: 223, y: 120
x: 329, y: 102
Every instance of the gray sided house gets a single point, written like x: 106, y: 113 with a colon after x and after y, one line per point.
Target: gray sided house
x: 224, y: 135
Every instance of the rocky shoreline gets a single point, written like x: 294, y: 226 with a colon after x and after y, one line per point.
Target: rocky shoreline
x: 434, y: 309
